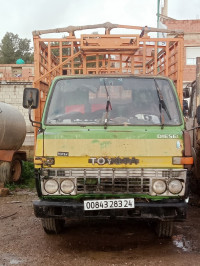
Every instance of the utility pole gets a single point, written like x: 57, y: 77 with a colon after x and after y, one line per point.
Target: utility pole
x: 161, y: 10
x: 158, y: 13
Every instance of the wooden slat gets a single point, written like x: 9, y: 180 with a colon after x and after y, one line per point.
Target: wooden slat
x: 115, y: 55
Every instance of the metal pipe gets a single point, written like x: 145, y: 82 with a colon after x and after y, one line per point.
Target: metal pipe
x: 158, y: 16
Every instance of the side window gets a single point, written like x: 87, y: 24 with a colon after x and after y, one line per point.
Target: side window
x: 191, y: 54
x: 16, y: 71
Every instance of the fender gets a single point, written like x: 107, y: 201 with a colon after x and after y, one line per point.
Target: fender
x: 7, y: 155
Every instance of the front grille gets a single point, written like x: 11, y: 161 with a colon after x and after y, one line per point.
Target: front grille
x: 115, y: 181
x: 112, y: 185
x: 108, y: 180
x: 170, y: 174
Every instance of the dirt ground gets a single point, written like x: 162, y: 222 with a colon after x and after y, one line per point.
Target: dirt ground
x: 23, y: 241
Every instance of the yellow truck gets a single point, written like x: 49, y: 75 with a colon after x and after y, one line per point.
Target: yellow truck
x: 110, y: 138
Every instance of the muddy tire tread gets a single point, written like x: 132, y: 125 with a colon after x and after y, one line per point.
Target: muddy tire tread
x: 53, y: 225
x: 165, y: 229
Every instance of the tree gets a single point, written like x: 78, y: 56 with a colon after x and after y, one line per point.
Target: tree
x: 12, y: 48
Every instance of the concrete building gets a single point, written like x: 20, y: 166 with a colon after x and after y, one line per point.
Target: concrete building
x: 13, y: 79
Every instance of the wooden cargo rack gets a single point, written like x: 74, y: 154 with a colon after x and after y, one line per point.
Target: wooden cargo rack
x: 137, y: 54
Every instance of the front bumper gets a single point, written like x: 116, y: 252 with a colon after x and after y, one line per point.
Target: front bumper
x: 162, y: 210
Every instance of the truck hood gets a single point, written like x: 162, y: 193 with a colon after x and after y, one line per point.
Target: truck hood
x: 138, y: 142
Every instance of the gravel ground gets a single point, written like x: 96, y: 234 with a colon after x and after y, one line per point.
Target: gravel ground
x: 23, y: 241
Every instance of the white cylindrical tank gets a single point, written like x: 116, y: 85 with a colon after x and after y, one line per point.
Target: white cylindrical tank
x: 12, y: 127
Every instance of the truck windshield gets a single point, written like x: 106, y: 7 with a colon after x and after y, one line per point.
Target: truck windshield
x: 135, y: 101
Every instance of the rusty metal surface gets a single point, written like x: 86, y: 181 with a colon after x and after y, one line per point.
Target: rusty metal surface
x: 107, y: 26
x: 6, y: 155
x: 187, y: 142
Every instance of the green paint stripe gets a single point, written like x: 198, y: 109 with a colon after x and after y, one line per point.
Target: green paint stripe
x: 108, y: 196
x: 115, y: 132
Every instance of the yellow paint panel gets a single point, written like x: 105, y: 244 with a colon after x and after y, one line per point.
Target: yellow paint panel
x: 147, y: 162
x: 111, y: 147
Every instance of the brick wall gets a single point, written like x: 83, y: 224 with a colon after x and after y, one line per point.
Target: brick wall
x: 191, y: 30
x: 188, y: 26
x: 15, y: 72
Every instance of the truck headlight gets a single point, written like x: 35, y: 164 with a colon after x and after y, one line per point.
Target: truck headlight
x: 51, y: 186
x: 159, y: 186
x: 175, y: 186
x: 67, y: 186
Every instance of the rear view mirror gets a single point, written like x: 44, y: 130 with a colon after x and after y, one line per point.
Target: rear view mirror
x: 198, y: 114
x: 186, y: 93
x: 31, y: 98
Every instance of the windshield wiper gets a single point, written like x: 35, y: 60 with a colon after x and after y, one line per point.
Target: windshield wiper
x: 108, y: 105
x: 162, y: 105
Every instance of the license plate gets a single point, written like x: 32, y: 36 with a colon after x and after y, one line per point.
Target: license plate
x: 109, y: 204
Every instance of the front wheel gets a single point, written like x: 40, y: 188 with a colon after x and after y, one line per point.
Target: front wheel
x: 164, y: 228
x: 53, y: 225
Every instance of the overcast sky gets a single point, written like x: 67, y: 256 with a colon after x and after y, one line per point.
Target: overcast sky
x: 24, y: 16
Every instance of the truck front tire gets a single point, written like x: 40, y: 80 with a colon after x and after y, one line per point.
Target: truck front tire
x: 164, y: 229
x: 53, y: 225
